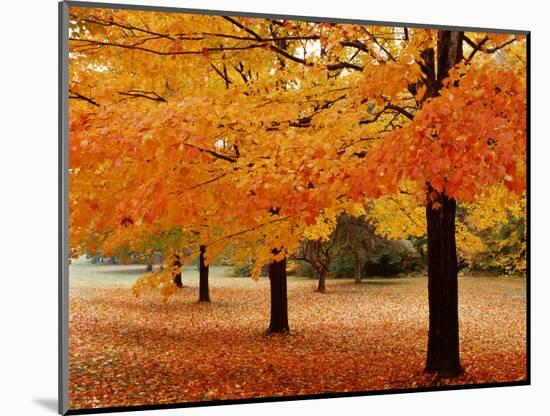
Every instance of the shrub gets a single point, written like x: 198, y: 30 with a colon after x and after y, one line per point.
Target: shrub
x: 303, y: 269
x: 387, y: 263
x: 506, y: 251
x: 245, y: 270
x: 400, y: 257
x: 342, y: 266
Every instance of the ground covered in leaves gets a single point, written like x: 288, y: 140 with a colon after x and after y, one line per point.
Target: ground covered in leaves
x: 372, y: 336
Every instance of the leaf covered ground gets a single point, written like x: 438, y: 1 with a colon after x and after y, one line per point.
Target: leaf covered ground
x: 133, y: 351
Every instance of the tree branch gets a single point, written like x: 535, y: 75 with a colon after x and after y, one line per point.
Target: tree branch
x: 144, y: 94
x: 208, y: 181
x: 78, y: 96
x: 213, y: 153
x: 226, y: 237
x: 282, y: 52
x: 387, y: 107
x: 223, y: 75
x: 162, y: 53
x: 499, y: 47
x: 476, y: 47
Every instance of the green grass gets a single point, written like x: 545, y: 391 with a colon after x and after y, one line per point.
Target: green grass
x: 104, y: 276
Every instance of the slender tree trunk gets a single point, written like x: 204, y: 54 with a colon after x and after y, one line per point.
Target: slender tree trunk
x: 443, y: 356
x: 279, y: 304
x: 316, y: 276
x: 177, y: 280
x: 177, y: 276
x: 204, y: 295
x: 321, y: 288
x: 443, y: 345
x: 358, y: 272
x: 357, y: 268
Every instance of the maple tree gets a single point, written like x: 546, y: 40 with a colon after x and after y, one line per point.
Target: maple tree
x: 261, y: 132
x: 317, y: 254
x: 466, y: 135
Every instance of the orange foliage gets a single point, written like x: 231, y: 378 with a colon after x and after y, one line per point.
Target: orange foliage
x: 221, y: 125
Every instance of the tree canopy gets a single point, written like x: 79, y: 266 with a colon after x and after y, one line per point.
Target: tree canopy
x: 251, y: 129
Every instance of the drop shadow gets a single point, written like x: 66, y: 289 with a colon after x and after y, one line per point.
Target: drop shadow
x: 49, y: 404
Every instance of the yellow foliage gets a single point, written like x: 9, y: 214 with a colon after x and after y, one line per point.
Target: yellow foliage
x: 398, y: 216
x: 324, y: 226
x: 159, y: 280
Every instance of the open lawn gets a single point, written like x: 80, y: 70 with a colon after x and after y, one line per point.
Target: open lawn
x: 372, y: 336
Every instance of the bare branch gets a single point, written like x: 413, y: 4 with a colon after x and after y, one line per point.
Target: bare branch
x: 223, y: 75
x: 387, y: 107
x: 163, y: 53
x: 499, y: 47
x: 280, y: 51
x: 208, y: 181
x: 476, y: 48
x: 213, y: 153
x: 78, y: 96
x: 150, y: 95
x: 226, y: 237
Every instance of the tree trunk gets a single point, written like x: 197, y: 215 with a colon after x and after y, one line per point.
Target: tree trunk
x: 357, y: 268
x: 321, y: 282
x: 443, y: 346
x: 279, y: 304
x: 443, y: 356
x: 177, y: 280
x: 204, y: 295
x: 149, y: 268
x: 177, y: 276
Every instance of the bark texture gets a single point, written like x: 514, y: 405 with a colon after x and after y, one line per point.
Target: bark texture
x: 443, y: 356
x: 279, y: 305
x: 443, y: 344
x: 321, y: 287
x: 204, y: 293
x: 357, y: 270
x: 177, y: 275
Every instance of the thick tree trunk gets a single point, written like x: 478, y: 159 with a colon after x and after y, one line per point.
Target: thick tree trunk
x: 279, y: 304
x: 315, y: 273
x: 443, y: 356
x: 321, y: 288
x: 443, y: 345
x: 204, y: 295
x: 149, y: 268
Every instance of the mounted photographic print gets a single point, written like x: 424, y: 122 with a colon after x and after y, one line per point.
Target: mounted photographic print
x: 264, y: 207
